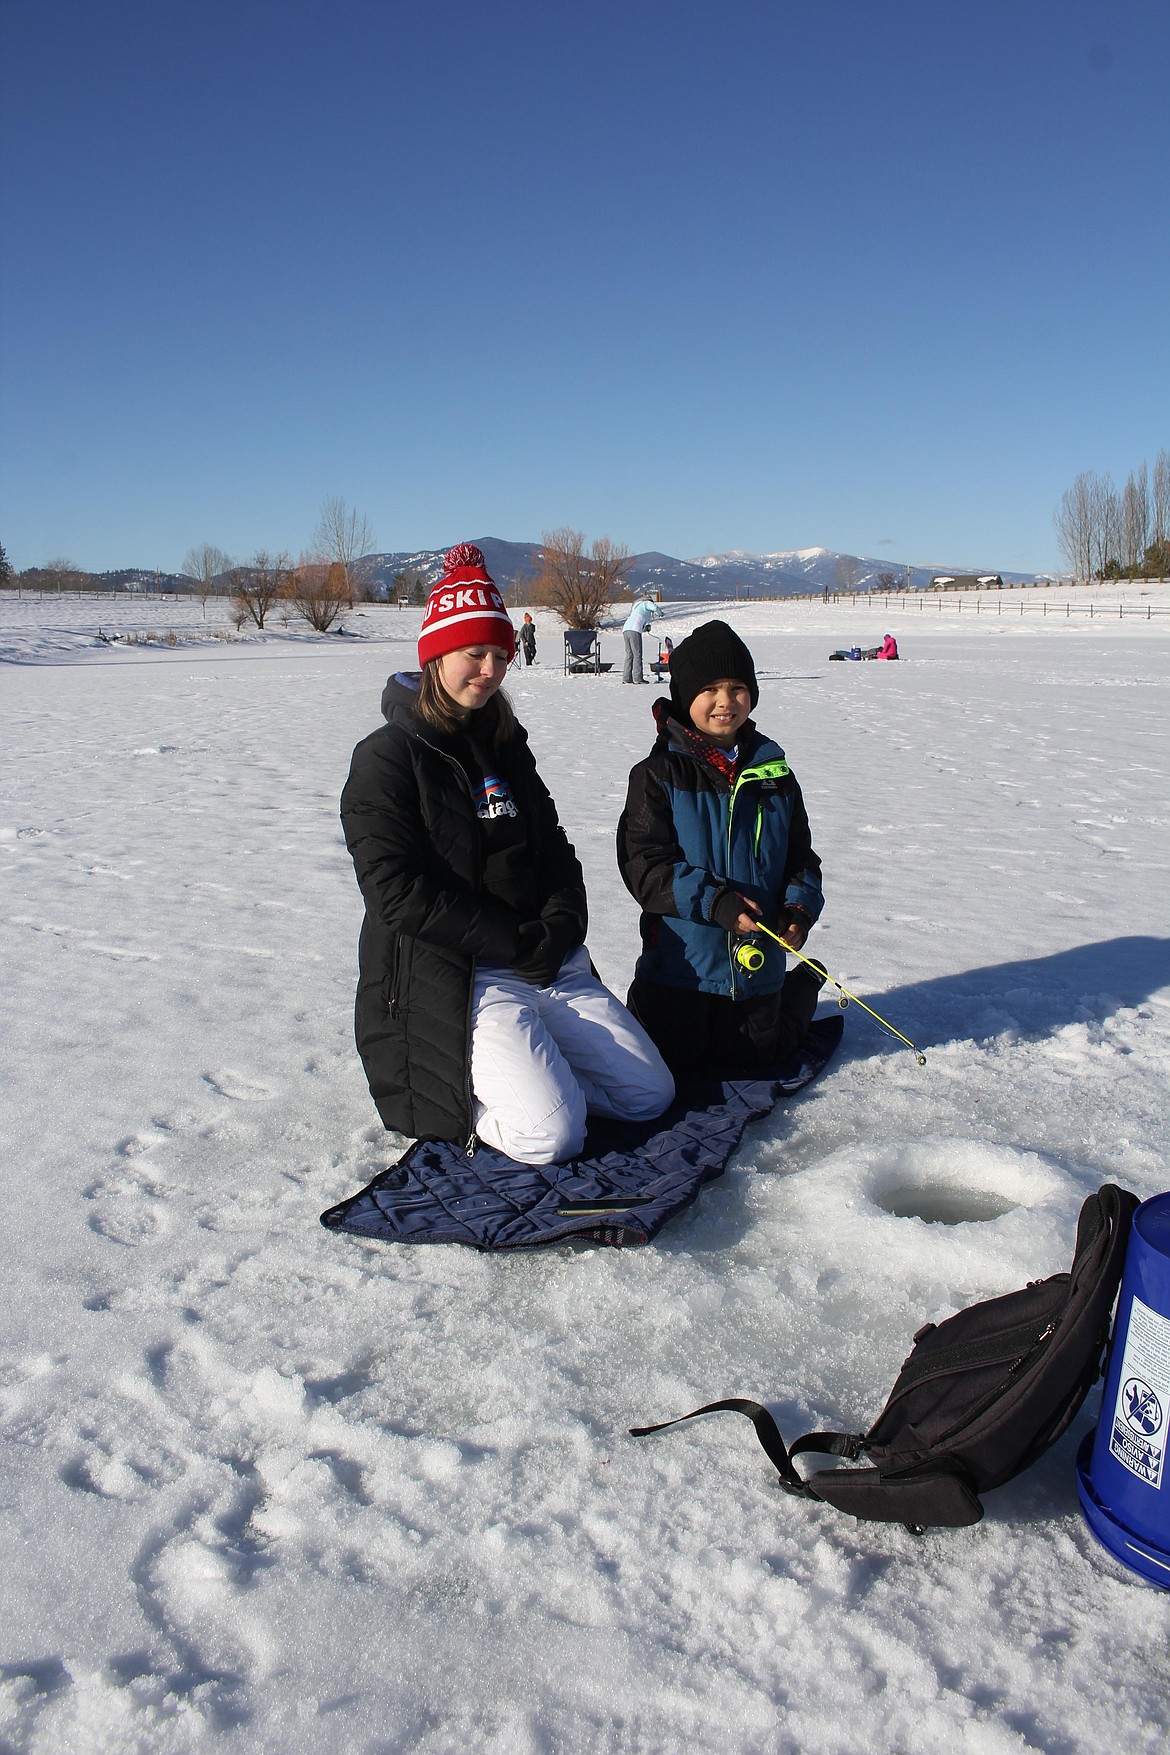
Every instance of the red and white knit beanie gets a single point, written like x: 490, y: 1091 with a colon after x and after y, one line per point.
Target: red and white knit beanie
x: 464, y: 608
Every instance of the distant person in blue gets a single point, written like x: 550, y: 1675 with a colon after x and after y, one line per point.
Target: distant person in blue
x: 714, y: 841
x: 633, y: 628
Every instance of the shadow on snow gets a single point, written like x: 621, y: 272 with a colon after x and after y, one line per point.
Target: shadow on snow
x: 1032, y: 998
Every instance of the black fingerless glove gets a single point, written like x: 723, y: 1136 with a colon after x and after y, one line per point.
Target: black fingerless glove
x: 727, y: 908
x: 795, y: 915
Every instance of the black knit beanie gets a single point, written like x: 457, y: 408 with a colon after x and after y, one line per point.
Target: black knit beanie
x: 711, y: 652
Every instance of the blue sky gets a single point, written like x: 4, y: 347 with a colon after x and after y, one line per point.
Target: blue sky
x: 698, y: 277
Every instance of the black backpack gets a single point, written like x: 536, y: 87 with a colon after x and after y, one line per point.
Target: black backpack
x: 980, y: 1397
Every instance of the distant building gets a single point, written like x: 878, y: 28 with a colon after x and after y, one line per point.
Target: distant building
x: 966, y: 582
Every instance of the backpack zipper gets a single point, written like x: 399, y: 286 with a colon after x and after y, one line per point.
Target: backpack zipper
x: 1019, y: 1365
x: 971, y: 1355
x: 1015, y: 1370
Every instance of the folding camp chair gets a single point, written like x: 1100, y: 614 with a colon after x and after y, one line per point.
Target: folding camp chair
x: 583, y: 652
x: 662, y: 662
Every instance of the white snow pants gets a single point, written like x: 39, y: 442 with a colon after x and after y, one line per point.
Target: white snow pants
x: 544, y: 1057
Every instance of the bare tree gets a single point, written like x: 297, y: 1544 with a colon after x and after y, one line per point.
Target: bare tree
x: 344, y: 537
x: 319, y: 591
x: 1160, y: 501
x: 410, y: 588
x: 257, y: 585
x: 1108, y: 530
x: 1076, y: 519
x: 889, y: 581
x: 611, y: 564
x: 1104, y: 534
x: 203, y: 566
x: 60, y: 574
x: 1135, y: 522
x: 579, y: 586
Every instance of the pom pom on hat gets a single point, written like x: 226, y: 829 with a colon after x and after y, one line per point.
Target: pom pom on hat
x: 464, y: 608
x: 710, y: 653
x: 465, y: 554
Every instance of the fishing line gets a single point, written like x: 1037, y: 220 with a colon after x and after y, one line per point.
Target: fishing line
x: 750, y: 958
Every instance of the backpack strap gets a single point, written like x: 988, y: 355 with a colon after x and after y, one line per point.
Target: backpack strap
x: 941, y: 1496
x: 767, y: 1432
x: 847, y: 1444
x: 1111, y: 1209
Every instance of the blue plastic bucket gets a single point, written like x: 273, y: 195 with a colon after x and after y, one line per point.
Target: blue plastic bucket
x: 1123, y: 1472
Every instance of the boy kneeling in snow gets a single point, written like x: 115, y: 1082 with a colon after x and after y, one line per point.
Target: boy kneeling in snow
x: 713, y: 841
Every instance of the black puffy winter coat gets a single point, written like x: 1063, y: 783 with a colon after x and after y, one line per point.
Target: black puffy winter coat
x: 410, y: 825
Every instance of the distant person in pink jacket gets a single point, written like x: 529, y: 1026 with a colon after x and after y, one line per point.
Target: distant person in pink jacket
x: 888, y: 647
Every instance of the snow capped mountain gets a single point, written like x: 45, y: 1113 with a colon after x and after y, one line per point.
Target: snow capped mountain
x: 781, y: 557
x: 800, y: 570
x: 507, y: 562
x: 733, y: 573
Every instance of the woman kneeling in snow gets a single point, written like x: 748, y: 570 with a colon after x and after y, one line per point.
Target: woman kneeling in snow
x: 477, y: 1010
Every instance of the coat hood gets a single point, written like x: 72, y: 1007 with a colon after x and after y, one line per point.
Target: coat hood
x: 401, y: 691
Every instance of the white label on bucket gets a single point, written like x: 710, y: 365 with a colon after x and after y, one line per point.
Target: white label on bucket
x: 1138, y: 1440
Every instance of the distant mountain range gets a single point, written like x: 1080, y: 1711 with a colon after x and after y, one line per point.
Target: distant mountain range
x: 790, y: 573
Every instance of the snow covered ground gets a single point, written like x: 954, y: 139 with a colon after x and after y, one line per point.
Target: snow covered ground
x: 269, y: 1488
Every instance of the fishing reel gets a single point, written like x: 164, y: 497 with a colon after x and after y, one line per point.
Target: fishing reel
x: 748, y: 957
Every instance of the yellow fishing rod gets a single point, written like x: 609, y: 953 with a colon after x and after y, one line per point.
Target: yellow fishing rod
x: 750, y: 958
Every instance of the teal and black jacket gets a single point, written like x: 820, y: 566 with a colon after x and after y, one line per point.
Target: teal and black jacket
x: 689, y: 835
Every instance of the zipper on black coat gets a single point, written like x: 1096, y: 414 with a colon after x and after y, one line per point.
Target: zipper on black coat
x: 454, y: 762
x: 393, y: 985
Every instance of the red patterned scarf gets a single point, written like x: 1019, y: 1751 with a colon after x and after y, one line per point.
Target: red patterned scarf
x: 699, y: 746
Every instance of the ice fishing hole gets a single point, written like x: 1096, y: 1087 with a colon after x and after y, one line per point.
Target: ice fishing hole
x: 944, y: 1206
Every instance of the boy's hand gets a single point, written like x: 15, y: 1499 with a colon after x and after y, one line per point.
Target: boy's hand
x: 795, y: 931
x: 749, y: 919
x: 736, y: 913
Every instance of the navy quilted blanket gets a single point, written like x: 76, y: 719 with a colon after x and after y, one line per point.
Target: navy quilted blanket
x: 629, y: 1180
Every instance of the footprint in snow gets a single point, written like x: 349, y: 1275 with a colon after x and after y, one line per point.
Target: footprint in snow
x: 236, y: 1086
x: 101, y: 1470
x: 192, y: 1580
x: 136, y: 1145
x: 126, y: 1207
x: 125, y: 1223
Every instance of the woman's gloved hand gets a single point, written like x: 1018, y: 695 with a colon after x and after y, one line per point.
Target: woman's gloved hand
x: 544, y: 945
